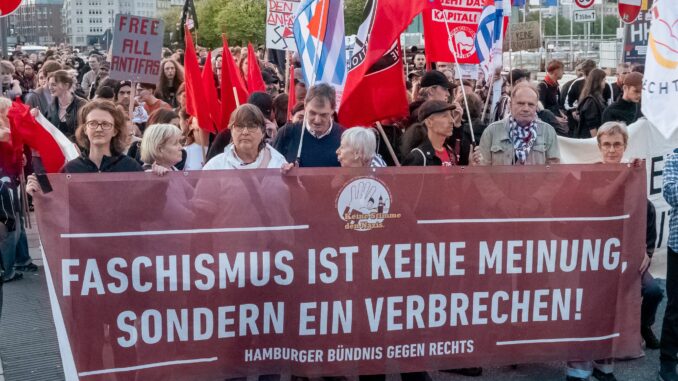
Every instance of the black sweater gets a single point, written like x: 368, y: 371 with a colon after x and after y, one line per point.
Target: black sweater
x: 621, y: 111
x: 314, y: 152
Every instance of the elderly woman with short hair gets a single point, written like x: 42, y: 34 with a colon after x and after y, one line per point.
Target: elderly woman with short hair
x: 359, y: 149
x: 248, y: 148
x: 161, y: 148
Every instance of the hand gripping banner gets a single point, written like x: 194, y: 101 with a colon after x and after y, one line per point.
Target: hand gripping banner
x: 219, y: 274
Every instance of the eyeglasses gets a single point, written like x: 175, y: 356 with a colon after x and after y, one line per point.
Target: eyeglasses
x: 94, y: 124
x: 609, y: 146
x: 251, y: 128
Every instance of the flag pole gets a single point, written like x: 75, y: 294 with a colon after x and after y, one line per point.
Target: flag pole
x: 380, y: 128
x: 461, y: 81
x: 487, y: 98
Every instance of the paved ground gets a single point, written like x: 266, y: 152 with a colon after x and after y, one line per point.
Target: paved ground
x: 29, y: 349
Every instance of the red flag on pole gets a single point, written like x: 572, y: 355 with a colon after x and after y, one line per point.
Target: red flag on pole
x: 380, y: 94
x: 292, y: 94
x: 387, y: 20
x: 232, y: 85
x: 196, y: 101
x: 211, y: 92
x: 255, y: 82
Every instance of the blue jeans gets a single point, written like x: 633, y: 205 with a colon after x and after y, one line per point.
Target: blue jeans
x: 13, y: 248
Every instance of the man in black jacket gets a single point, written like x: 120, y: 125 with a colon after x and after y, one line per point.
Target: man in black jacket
x: 626, y: 109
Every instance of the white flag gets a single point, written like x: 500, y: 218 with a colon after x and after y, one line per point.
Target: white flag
x: 660, y: 83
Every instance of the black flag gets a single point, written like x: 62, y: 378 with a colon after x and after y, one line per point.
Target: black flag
x: 187, y: 14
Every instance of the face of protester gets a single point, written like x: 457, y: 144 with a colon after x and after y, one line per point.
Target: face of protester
x: 439, y: 93
x: 558, y: 74
x: 300, y: 92
x: 19, y: 66
x: 58, y: 89
x: 419, y: 61
x: 181, y: 98
x: 100, y: 128
x: 246, y: 139
x: 612, y: 148
x: 170, y: 152
x: 318, y: 115
x: 632, y: 93
x: 42, y: 81
x: 93, y: 63
x: 6, y: 78
x: 273, y: 88
x: 524, y: 106
x: 621, y: 75
x: 170, y: 71
x: 144, y: 94
x: 348, y: 157
x: 440, y: 123
x: 244, y: 66
x: 218, y: 62
x: 103, y: 73
x: 298, y: 117
x: 124, y: 95
x: 442, y: 66
x: 28, y: 71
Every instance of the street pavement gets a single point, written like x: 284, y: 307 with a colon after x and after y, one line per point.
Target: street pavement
x: 29, y: 350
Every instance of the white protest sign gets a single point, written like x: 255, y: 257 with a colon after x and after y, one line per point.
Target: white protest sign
x: 137, y: 48
x: 279, y: 24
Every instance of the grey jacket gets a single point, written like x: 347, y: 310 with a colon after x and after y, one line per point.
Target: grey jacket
x: 497, y: 149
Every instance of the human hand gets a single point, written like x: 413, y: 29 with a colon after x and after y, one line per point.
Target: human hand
x: 32, y: 185
x: 159, y: 170
x: 286, y: 168
x: 476, y: 157
x: 645, y: 264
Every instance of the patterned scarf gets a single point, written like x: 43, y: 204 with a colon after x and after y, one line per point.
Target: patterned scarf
x: 523, y: 139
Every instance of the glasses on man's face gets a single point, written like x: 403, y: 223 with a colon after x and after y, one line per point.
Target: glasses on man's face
x: 250, y: 128
x: 94, y: 124
x: 616, y: 146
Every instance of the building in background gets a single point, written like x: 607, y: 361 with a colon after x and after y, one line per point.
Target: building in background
x: 38, y: 22
x: 87, y: 23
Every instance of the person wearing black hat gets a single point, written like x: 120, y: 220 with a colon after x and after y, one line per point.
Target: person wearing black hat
x: 272, y: 82
x: 435, y: 86
x: 424, y: 142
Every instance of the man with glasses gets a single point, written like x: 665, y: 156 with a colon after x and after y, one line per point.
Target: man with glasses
x: 319, y: 136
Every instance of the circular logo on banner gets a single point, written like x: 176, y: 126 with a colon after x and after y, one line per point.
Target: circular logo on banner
x: 364, y: 203
x: 584, y: 3
x: 628, y: 10
x: 462, y: 41
x: 8, y: 6
x: 662, y: 40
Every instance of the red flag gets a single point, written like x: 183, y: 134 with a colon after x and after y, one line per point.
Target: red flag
x: 388, y: 19
x: 211, y: 92
x: 379, y: 95
x: 292, y: 94
x: 255, y: 82
x: 196, y: 101
x: 462, y: 25
x: 52, y: 145
x: 231, y: 84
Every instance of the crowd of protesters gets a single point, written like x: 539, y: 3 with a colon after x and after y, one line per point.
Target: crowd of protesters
x: 451, y: 123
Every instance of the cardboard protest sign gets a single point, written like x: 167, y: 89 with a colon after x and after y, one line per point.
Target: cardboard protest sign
x: 279, y: 22
x: 524, y: 36
x: 137, y: 48
x: 219, y: 274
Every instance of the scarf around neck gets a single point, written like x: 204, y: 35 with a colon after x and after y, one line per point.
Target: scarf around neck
x: 522, y: 138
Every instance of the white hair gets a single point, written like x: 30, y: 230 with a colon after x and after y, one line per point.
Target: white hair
x: 155, y: 137
x: 363, y: 142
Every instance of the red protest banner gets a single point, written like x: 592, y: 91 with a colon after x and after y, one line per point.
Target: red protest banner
x: 341, y: 271
x: 457, y: 19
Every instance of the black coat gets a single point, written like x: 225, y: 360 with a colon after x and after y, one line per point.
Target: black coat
x: 425, y: 156
x: 71, y: 123
x: 590, y: 116
x: 121, y: 163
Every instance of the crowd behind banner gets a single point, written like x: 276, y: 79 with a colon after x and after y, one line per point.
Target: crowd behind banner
x: 514, y: 121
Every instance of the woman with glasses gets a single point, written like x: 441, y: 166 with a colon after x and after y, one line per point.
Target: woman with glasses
x: 63, y: 113
x: 102, y: 135
x: 248, y: 149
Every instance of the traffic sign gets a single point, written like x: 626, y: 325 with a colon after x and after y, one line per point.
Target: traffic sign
x: 587, y: 15
x: 629, y: 10
x: 584, y: 4
x: 8, y: 7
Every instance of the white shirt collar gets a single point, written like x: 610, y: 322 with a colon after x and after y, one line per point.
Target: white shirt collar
x: 308, y: 128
